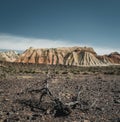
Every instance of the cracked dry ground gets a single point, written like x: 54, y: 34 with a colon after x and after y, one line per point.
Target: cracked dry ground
x: 99, y: 99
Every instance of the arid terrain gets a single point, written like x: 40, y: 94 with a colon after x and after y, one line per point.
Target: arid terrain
x: 75, y: 94
x: 72, y: 56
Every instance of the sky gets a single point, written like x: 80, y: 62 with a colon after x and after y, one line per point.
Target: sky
x: 60, y: 23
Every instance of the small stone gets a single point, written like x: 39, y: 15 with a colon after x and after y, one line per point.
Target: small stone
x: 86, y: 121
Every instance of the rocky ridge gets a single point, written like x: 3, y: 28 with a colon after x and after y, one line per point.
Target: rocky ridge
x: 9, y: 56
x: 78, y: 56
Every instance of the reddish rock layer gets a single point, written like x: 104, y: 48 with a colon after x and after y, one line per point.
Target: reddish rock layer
x: 68, y: 56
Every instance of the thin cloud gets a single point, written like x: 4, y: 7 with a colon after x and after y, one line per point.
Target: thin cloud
x: 103, y: 51
x: 21, y: 43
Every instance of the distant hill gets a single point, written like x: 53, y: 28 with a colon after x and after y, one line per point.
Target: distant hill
x: 78, y: 56
x: 6, y: 50
x: 9, y: 56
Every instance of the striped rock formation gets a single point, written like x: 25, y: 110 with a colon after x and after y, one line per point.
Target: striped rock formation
x: 9, y: 56
x: 78, y: 56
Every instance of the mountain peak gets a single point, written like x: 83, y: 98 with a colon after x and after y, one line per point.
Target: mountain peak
x: 114, y: 53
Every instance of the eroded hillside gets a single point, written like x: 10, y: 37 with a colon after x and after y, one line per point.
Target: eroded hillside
x: 77, y: 56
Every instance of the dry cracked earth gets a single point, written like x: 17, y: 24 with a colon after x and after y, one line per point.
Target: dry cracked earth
x: 74, y: 94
